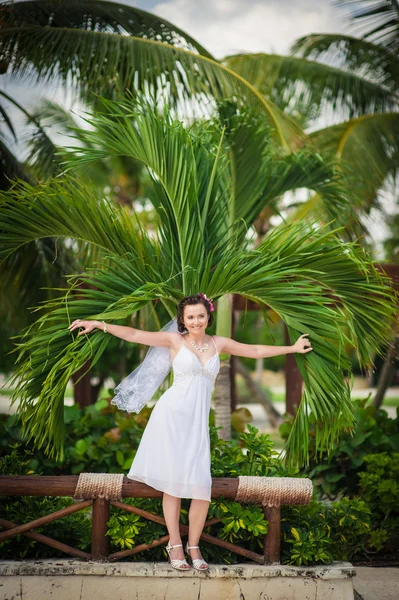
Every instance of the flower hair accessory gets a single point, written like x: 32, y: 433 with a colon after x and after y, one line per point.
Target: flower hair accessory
x: 208, y: 300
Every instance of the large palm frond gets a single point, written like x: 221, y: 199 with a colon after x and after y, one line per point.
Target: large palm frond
x: 307, y: 275
x: 254, y: 175
x: 98, y: 15
x: 67, y: 221
x: 311, y: 279
x: 109, y: 48
x: 187, y: 185
x: 44, y: 160
x: 41, y: 149
x: 260, y: 175
x: 377, y: 20
x: 354, y: 54
x: 319, y: 285
x: 309, y: 88
x: 367, y: 149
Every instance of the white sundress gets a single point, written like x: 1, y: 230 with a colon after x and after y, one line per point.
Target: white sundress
x: 174, y: 452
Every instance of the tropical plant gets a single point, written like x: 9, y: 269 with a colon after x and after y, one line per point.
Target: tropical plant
x: 107, y: 48
x: 338, y: 473
x: 310, y: 277
x: 144, y: 52
x: 111, y: 48
x: 351, y: 83
x: 379, y: 487
x: 311, y: 534
x: 378, y: 20
x: 67, y: 42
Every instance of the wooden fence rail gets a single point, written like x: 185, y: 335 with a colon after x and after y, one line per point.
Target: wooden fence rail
x: 32, y: 485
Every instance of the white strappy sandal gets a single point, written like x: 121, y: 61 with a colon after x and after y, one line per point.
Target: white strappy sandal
x: 177, y: 563
x: 198, y: 563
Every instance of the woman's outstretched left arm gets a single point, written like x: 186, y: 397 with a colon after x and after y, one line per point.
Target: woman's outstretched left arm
x: 229, y: 346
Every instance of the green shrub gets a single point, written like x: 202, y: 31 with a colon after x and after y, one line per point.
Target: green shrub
x: 336, y: 474
x: 323, y: 532
x: 74, y: 529
x: 101, y: 439
x: 379, y: 487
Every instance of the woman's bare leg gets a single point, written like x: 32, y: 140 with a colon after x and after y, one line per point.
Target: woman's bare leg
x: 196, y: 517
x: 171, y: 510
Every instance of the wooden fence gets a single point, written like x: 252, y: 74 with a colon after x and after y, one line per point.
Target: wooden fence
x: 31, y: 485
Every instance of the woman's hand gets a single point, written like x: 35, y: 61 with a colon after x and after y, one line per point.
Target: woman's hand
x: 88, y: 326
x: 302, y: 345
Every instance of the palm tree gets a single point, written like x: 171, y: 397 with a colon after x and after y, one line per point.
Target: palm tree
x: 109, y: 48
x: 68, y: 42
x: 310, y: 277
x: 137, y: 50
x: 351, y: 82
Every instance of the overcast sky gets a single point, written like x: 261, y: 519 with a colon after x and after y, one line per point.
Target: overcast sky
x: 230, y: 26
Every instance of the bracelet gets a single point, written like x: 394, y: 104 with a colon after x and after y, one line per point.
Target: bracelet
x: 105, y: 326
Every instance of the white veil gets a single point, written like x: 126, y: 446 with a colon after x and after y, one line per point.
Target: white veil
x: 139, y: 387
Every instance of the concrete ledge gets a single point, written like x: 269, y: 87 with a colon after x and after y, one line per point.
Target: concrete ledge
x: 69, y: 578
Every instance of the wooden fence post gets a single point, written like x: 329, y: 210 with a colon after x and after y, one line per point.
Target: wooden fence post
x: 272, y: 538
x: 99, y: 541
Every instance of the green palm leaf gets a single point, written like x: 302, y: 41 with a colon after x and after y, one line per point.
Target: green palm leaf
x: 307, y: 87
x: 75, y: 42
x: 378, y: 20
x: 299, y: 273
x: 260, y: 175
x: 186, y: 183
x: 368, y: 153
x: 41, y: 159
x: 305, y: 273
x: 98, y: 15
x: 253, y: 176
x: 358, y: 55
x: 24, y: 221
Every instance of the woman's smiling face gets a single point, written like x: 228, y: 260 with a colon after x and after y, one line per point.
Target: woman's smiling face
x: 195, y: 317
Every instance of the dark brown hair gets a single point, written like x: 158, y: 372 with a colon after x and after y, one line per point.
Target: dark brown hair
x: 190, y: 300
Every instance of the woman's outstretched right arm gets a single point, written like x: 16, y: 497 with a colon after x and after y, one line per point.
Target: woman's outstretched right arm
x: 129, y: 334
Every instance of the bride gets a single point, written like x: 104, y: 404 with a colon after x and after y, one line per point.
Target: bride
x: 174, y: 452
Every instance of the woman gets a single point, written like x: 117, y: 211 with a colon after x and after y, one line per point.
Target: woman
x: 174, y: 452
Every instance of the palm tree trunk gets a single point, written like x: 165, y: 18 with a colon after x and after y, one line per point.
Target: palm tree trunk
x: 223, y: 387
x: 387, y: 372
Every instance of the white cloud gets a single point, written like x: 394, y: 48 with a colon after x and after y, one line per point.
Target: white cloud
x: 229, y: 26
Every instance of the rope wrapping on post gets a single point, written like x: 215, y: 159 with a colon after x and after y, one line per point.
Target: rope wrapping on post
x: 99, y: 485
x: 274, y: 491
